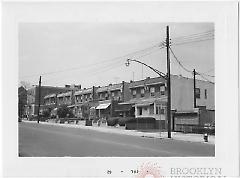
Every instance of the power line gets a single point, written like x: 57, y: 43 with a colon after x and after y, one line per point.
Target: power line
x: 207, y: 75
x: 197, y: 37
x: 109, y: 66
x: 204, y: 78
x: 175, y: 57
x: 200, y: 74
x: 104, y: 61
x: 191, y: 41
x: 194, y: 35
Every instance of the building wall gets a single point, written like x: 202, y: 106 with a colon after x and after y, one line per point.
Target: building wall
x: 182, y: 93
x: 126, y: 94
x: 22, y: 100
x: 33, y: 96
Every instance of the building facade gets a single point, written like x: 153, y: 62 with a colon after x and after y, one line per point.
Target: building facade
x: 22, y: 100
x: 149, y: 97
x: 33, y: 97
x: 143, y: 98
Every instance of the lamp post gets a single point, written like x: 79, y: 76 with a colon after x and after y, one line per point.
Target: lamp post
x: 161, y: 74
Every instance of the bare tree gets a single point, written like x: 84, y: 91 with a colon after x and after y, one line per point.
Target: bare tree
x: 25, y: 84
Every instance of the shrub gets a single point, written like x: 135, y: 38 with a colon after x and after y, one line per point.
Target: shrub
x: 140, y: 123
x: 46, y: 113
x: 63, y: 111
x: 122, y: 120
x: 112, y: 121
x: 141, y: 120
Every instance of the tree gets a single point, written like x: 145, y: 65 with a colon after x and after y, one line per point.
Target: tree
x: 25, y: 84
x: 64, y: 111
x: 46, y: 112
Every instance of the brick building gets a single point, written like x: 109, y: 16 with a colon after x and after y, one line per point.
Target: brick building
x: 33, y: 97
x: 22, y: 100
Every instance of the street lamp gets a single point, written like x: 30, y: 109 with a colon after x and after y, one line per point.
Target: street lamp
x: 155, y: 70
x: 161, y: 74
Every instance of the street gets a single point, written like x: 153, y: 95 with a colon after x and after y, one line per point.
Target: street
x: 38, y: 140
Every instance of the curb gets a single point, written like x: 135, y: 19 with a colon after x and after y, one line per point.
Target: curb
x: 117, y: 131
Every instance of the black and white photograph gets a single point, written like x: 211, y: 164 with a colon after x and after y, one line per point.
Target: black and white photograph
x: 120, y: 89
x: 116, y: 89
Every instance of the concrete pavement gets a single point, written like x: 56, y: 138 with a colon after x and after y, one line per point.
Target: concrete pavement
x: 48, y: 140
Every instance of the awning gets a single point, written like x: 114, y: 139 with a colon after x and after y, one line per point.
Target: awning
x: 71, y: 106
x: 144, y: 104
x: 103, y: 106
x: 123, y: 107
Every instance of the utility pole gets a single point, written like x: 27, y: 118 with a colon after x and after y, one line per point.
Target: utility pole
x: 39, y: 97
x: 194, y: 89
x: 168, y: 86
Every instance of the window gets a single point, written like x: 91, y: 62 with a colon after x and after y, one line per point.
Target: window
x: 205, y: 93
x: 142, y: 92
x: 162, y: 90
x: 197, y: 92
x: 140, y: 111
x: 106, y: 96
x: 157, y: 109
x: 151, y: 109
x: 152, y: 91
x: 77, y: 98
x: 134, y: 93
x: 160, y: 110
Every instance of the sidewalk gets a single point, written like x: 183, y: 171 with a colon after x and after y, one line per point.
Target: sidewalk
x: 121, y: 130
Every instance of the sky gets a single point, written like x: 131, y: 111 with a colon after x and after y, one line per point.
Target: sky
x: 94, y: 54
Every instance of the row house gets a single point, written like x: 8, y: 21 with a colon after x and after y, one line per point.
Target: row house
x: 149, y: 97
x: 109, y: 97
x: 143, y: 98
x: 33, y: 99
x: 84, y: 100
x: 50, y: 100
x: 65, y: 98
x: 22, y: 101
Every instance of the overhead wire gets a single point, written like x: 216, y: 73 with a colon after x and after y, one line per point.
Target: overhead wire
x: 195, y: 35
x: 175, y: 57
x: 199, y: 37
x: 104, y: 61
x: 113, y: 64
x: 204, y: 77
x: 187, y: 70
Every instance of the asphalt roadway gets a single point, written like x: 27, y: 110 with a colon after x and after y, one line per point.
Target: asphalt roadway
x: 39, y: 140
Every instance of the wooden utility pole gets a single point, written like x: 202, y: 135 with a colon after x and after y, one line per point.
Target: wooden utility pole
x: 39, y: 97
x: 168, y: 86
x: 194, y: 89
